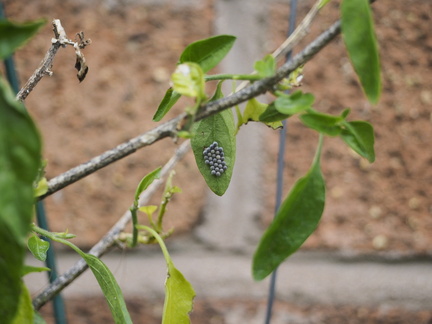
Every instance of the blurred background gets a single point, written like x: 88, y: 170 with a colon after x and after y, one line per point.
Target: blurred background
x: 370, y: 259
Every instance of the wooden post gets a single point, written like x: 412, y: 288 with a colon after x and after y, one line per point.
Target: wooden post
x: 230, y: 221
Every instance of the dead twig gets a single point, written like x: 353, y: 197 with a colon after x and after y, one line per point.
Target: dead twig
x: 60, y: 40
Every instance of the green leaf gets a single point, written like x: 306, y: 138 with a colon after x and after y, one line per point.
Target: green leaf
x: 345, y: 113
x: 323, y: 3
x: 188, y: 80
x: 110, y: 288
x: 208, y: 52
x: 254, y: 110
x: 266, y: 67
x: 295, y: 221
x: 166, y: 104
x: 179, y: 297
x: 20, y: 151
x: 361, y: 43
x: 179, y: 293
x: 220, y: 128
x: 148, y: 210
x: 38, y: 319
x: 146, y: 181
x: 14, y: 35
x: 294, y: 103
x: 359, y: 135
x: 270, y: 114
x: 323, y: 123
x: 38, y: 247
x: 25, y: 313
x: 30, y: 269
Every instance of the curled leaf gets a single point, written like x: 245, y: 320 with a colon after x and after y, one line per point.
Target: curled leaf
x: 188, y: 80
x: 359, y: 135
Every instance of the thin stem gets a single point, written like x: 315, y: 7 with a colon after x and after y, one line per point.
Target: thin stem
x: 160, y: 241
x: 300, y: 32
x: 54, y: 237
x: 134, y: 216
x: 161, y: 214
x: 247, y: 77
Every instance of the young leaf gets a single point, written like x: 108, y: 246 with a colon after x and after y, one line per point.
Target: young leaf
x: 148, y: 210
x: 361, y: 43
x: 30, y: 269
x: 345, y: 113
x: 253, y: 110
x: 179, y: 293
x: 359, y: 135
x: 166, y: 104
x: 25, y: 311
x: 38, y: 247
x: 208, y: 52
x: 20, y: 151
x: 272, y: 115
x: 216, y: 128
x: 14, y: 35
x: 266, y: 67
x: 294, y: 103
x: 188, y: 80
x: 146, y: 181
x: 323, y: 123
x: 41, y: 188
x: 295, y: 221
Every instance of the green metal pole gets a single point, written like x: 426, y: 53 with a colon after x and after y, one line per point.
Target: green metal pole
x: 58, y: 304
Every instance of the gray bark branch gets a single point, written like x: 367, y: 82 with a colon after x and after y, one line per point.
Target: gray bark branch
x: 109, y: 239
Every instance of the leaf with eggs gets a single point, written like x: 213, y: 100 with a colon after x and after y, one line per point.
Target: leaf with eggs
x: 216, y: 128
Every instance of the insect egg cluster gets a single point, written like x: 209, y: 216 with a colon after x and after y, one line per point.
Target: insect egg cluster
x: 214, y: 158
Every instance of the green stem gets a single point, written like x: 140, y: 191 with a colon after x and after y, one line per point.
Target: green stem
x: 161, y: 214
x: 133, y: 211
x: 159, y: 239
x: 318, y: 151
x: 54, y: 237
x: 247, y: 77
